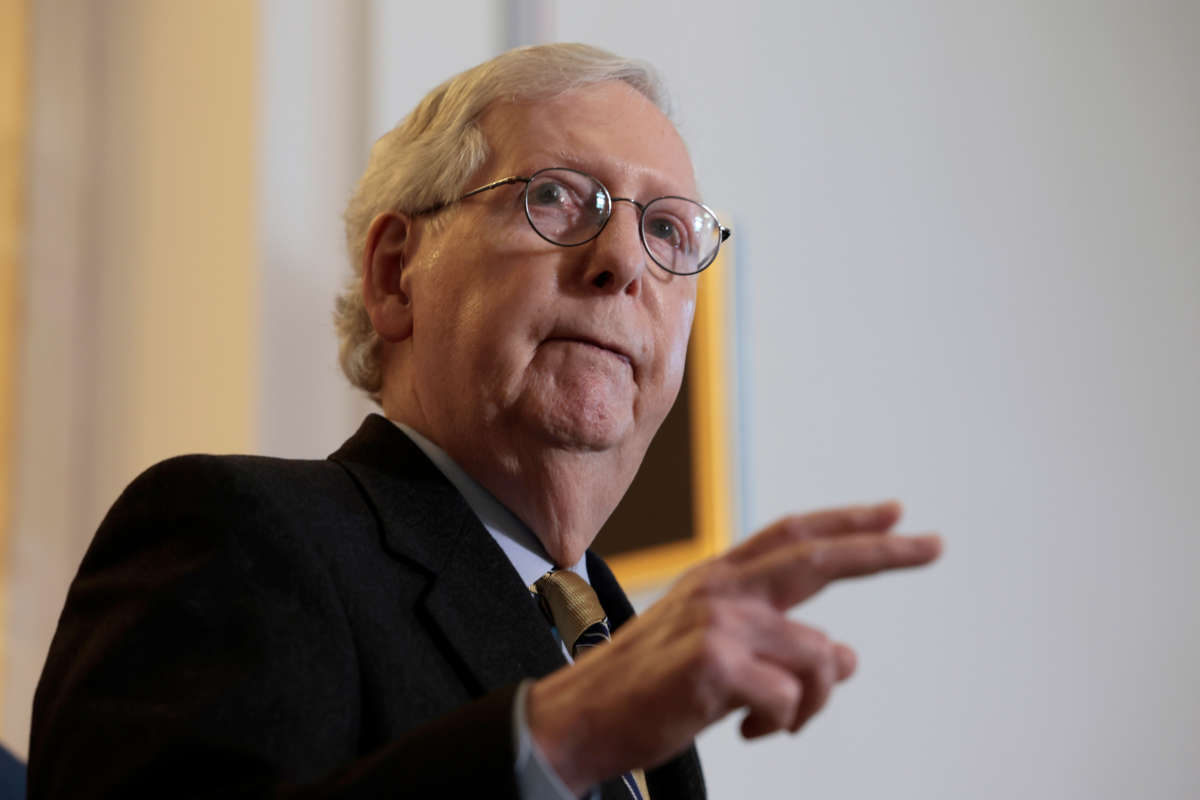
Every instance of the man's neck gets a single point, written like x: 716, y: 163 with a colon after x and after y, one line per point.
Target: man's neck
x: 554, y: 493
x: 514, y: 537
x: 561, y: 493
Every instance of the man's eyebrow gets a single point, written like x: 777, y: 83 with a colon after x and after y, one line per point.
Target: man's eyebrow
x: 560, y: 158
x: 609, y: 171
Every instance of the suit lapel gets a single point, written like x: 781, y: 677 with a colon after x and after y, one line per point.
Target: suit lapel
x: 489, y: 617
x: 611, y: 595
x: 475, y: 599
x: 483, y: 613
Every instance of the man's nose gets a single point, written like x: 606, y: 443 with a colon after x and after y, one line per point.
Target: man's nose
x: 618, y: 258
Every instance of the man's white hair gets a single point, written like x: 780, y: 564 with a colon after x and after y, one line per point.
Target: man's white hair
x: 427, y: 159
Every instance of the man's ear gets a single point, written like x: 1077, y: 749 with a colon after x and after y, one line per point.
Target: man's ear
x: 383, y: 283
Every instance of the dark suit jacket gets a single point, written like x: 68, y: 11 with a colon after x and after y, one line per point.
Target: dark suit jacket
x: 246, y: 626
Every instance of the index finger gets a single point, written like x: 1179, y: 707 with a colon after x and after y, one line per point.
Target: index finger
x: 791, y: 530
x: 790, y: 575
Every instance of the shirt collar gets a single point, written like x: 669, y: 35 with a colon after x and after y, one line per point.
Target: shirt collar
x: 519, y: 544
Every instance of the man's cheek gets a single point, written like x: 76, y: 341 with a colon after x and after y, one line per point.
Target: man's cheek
x: 677, y: 352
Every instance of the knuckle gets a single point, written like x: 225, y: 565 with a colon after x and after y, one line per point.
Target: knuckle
x: 719, y: 618
x: 792, y: 528
x: 827, y: 672
x: 817, y: 559
x: 846, y: 660
x: 711, y: 674
x: 791, y: 694
x: 707, y: 615
x: 711, y: 581
x: 819, y: 642
x: 714, y: 655
x: 821, y: 680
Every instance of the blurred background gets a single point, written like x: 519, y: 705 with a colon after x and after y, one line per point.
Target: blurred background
x: 967, y: 274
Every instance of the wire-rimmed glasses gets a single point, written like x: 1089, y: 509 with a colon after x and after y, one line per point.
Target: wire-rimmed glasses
x: 569, y: 208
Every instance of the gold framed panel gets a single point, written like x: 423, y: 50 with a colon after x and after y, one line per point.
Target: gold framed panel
x: 680, y: 509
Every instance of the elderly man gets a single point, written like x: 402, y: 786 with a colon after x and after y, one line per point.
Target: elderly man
x: 420, y: 613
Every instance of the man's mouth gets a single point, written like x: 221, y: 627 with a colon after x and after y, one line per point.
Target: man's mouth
x: 608, y: 347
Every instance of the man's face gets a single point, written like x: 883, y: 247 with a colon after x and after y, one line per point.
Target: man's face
x: 519, y: 344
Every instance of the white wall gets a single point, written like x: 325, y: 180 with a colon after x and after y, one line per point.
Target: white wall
x: 313, y: 100
x: 969, y: 260
x: 334, y: 77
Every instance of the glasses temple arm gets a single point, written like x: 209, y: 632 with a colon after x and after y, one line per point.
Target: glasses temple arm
x: 494, y: 185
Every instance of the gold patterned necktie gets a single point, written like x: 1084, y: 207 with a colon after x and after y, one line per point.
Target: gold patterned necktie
x: 582, y: 624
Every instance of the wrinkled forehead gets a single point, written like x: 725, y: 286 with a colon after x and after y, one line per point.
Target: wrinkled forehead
x: 608, y: 129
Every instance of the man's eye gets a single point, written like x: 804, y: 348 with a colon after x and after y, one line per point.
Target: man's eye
x: 551, y: 194
x: 665, y: 229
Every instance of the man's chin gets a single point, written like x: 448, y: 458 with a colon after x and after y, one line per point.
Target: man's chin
x: 593, y: 427
x: 586, y: 436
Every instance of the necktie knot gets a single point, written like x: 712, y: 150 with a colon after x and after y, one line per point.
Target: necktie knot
x: 575, y: 609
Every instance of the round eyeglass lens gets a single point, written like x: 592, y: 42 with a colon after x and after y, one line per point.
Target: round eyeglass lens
x: 566, y: 207
x: 680, y: 234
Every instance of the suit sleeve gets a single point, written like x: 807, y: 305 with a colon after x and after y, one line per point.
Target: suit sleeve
x: 203, y: 652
